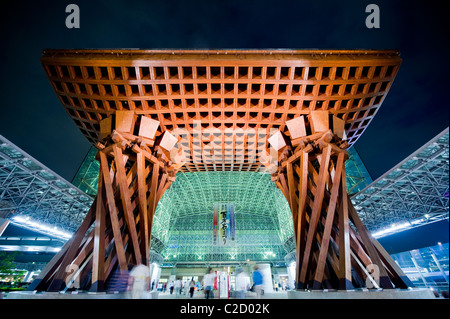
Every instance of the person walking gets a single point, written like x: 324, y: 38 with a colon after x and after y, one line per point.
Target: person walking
x: 208, y: 283
x: 178, y: 287
x: 192, y: 287
x: 139, y: 281
x: 186, y: 288
x: 257, y: 281
x: 242, y: 281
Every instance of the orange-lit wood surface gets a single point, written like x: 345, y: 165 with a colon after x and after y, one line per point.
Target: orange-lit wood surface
x: 224, y: 89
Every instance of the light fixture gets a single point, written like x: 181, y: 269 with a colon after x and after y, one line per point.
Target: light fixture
x: 27, y: 222
x: 392, y: 229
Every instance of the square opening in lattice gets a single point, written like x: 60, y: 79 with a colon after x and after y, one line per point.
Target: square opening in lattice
x: 187, y: 72
x: 161, y: 89
x: 215, y: 88
x: 51, y: 69
x: 188, y: 88
x: 117, y: 72
x: 270, y: 73
x: 131, y: 73
x: 312, y: 73
x: 325, y: 73
x: 384, y: 86
x: 256, y: 72
x: 339, y: 73
x: 173, y: 72
x: 158, y: 73
x: 365, y: 72
x: 298, y: 74
x: 243, y: 72
x: 144, y: 73
x: 229, y: 72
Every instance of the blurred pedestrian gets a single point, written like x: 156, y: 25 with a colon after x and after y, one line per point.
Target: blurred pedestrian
x: 178, y: 287
x: 192, y: 287
x: 139, y: 281
x: 257, y: 281
x: 186, y: 287
x: 242, y: 282
x: 208, y: 283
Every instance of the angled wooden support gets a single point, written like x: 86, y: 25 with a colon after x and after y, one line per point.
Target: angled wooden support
x: 315, y: 214
x: 345, y: 271
x: 57, y: 281
x: 330, y: 254
x: 98, y: 273
x: 132, y: 179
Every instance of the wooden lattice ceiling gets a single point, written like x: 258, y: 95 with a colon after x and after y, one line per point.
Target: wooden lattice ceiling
x: 225, y: 89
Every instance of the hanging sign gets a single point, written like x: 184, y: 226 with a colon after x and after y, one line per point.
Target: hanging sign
x: 224, y: 225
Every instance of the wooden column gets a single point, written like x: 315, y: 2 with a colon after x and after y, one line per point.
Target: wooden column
x: 134, y: 173
x: 333, y: 246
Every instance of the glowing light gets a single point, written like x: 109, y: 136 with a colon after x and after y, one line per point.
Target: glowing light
x: 392, y: 229
x: 36, y: 226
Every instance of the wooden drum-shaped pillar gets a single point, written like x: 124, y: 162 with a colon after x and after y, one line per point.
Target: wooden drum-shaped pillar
x: 334, y: 249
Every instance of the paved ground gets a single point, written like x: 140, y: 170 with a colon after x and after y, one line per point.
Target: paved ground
x: 201, y: 295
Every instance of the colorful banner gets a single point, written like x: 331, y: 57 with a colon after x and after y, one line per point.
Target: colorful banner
x: 224, y: 225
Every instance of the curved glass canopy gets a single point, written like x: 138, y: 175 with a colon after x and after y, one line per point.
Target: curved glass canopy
x: 184, y: 218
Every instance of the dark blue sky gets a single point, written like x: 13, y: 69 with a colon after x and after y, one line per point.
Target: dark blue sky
x: 416, y: 109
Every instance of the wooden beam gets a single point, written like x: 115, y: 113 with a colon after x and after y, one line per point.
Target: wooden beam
x: 301, y: 219
x: 153, y: 187
x: 57, y: 282
x: 99, y: 240
x: 142, y: 198
x: 329, y: 223
x: 113, y: 212
x: 316, y: 210
x: 293, y: 199
x: 373, y: 254
x: 126, y: 203
x: 345, y: 271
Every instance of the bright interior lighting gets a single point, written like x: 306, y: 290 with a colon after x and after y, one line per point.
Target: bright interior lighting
x: 36, y: 226
x: 392, y: 229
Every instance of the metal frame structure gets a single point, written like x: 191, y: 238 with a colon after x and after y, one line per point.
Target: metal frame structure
x: 263, y: 218
x: 412, y: 193
x: 31, y: 190
x: 358, y: 177
x: 86, y: 177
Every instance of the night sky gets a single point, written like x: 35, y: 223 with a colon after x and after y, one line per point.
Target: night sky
x: 415, y: 110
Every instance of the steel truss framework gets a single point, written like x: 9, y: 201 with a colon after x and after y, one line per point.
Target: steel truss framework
x: 263, y: 219
x: 28, y: 188
x: 412, y: 193
x: 358, y: 177
x: 86, y: 177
